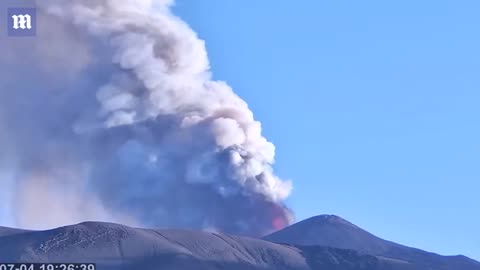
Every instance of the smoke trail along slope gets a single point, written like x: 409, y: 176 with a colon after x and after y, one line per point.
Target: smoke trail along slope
x: 132, y: 124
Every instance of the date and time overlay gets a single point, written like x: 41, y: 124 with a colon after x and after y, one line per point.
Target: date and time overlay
x: 48, y: 266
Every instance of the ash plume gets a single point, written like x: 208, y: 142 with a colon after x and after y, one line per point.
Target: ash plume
x: 110, y: 113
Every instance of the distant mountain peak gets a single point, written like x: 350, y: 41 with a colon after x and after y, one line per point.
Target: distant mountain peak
x: 328, y: 230
x: 334, y: 231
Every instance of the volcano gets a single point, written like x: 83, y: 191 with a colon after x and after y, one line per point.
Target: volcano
x: 334, y: 231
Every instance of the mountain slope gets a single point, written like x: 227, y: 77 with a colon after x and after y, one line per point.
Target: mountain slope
x: 115, y: 246
x: 334, y: 231
x: 4, y: 231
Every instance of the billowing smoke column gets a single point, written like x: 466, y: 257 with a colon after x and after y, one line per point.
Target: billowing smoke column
x: 110, y: 114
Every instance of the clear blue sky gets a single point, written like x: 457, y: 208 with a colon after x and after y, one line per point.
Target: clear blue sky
x: 373, y: 107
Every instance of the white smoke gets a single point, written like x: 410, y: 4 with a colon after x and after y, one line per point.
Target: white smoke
x: 116, y: 118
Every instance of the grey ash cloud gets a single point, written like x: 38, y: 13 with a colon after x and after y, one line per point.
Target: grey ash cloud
x: 110, y: 114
